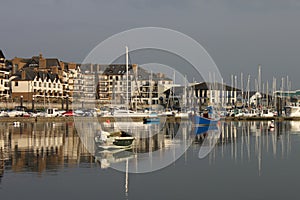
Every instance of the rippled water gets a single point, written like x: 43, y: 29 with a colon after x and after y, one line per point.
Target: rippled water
x: 49, y: 161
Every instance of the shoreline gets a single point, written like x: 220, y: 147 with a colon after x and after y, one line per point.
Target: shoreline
x: 134, y: 119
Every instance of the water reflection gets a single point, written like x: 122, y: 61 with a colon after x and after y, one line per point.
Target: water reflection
x: 47, y: 147
x: 154, y: 147
x: 40, y: 147
x: 254, y: 140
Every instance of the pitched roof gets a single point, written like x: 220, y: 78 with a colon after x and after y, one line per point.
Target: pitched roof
x: 52, y: 62
x: 116, y: 69
x: 30, y: 74
x: 218, y: 86
x: 1, y: 54
x: 35, y: 62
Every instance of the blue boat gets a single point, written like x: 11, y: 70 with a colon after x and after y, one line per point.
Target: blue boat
x: 206, y: 119
x: 203, y: 121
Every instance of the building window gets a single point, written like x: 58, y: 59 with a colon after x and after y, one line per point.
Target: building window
x: 45, y: 85
x: 49, y: 84
x: 34, y: 84
x: 40, y: 84
x: 16, y: 83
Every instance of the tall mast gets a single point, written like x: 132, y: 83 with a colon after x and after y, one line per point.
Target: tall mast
x: 222, y: 92
x: 150, y: 90
x: 231, y: 89
x: 242, y: 87
x: 259, y: 80
x: 235, y: 87
x: 127, y: 98
x: 248, y: 88
x: 267, y: 92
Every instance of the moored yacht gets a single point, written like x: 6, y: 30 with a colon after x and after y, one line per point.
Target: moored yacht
x: 293, y: 110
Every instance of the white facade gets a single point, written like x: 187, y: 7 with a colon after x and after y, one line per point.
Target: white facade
x: 4, y: 84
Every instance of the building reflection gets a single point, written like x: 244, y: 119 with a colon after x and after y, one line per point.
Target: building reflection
x: 45, y: 146
x: 40, y: 146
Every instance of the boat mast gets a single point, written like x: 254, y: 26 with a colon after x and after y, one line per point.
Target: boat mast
x: 231, y: 90
x: 267, y: 93
x: 173, y: 89
x: 235, y: 88
x: 259, y: 80
x: 127, y: 98
x: 248, y: 88
x: 242, y: 87
x: 150, y: 90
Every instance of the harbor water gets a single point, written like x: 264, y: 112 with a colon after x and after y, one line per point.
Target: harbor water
x: 50, y: 160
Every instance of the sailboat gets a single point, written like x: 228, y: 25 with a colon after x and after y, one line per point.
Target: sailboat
x: 208, y: 117
x: 126, y: 112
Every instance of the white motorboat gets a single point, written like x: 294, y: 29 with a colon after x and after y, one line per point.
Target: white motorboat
x: 116, y: 140
x: 266, y: 113
x: 292, y: 110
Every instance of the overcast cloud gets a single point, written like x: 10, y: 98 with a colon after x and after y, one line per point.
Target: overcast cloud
x: 239, y: 35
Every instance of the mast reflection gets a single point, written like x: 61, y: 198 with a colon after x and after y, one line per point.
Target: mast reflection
x: 47, y: 147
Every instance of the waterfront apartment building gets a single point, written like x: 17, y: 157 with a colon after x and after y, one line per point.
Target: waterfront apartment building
x: 200, y: 95
x: 28, y: 84
x: 107, y: 84
x: 4, y: 78
x: 42, y: 79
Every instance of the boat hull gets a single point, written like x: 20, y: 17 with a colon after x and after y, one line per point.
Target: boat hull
x: 202, y: 121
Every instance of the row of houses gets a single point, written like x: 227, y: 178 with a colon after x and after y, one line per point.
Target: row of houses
x: 50, y: 80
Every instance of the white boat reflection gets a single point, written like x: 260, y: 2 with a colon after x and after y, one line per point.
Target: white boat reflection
x: 108, y: 157
x: 295, y: 127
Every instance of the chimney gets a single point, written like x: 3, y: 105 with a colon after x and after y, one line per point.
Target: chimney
x: 135, y: 68
x: 91, y: 68
x: 62, y: 65
x: 72, y: 66
x: 23, y: 75
x: 54, y: 70
x: 42, y: 63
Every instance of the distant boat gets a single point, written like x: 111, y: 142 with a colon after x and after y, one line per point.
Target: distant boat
x: 292, y: 110
x: 151, y: 120
x: 130, y: 113
x: 266, y: 113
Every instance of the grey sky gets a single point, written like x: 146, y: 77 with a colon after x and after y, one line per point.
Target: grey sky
x: 238, y: 35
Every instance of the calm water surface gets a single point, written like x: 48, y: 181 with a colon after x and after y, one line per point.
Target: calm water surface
x: 48, y: 161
